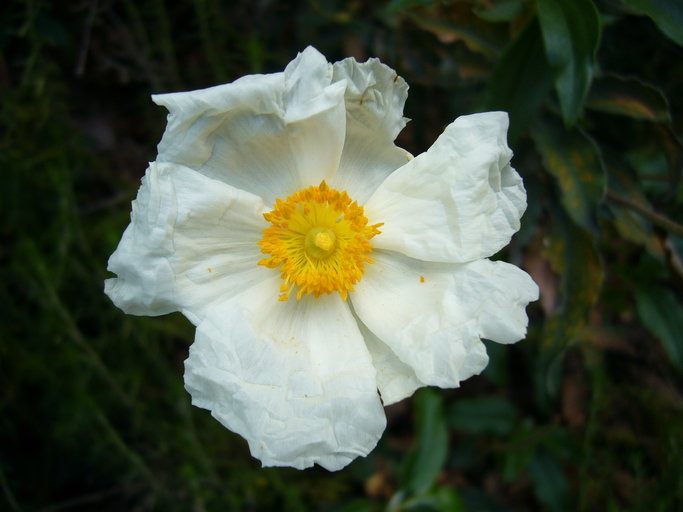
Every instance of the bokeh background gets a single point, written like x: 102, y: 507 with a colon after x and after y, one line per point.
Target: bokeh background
x: 583, y: 415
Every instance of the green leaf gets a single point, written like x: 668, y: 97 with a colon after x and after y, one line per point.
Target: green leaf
x: 422, y: 466
x: 523, y: 445
x: 521, y: 80
x: 440, y: 499
x: 479, y: 36
x: 673, y: 152
x: 631, y: 224
x: 662, y: 314
x: 548, y: 367
x: 550, y: 484
x: 573, y: 256
x: 628, y: 97
x: 448, y: 500
x: 655, y: 152
x: 483, y: 415
x: 571, y: 33
x: 667, y: 15
x: 574, y: 160
x: 500, y: 10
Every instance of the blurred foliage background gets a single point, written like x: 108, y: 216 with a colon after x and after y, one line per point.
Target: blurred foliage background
x: 584, y: 415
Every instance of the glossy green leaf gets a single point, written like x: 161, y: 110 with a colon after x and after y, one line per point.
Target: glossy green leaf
x: 628, y: 97
x: 493, y: 415
x: 574, y: 258
x: 500, y: 10
x: 574, y: 160
x: 422, y: 466
x: 667, y: 14
x: 571, y: 33
x: 521, y: 80
x: 662, y: 314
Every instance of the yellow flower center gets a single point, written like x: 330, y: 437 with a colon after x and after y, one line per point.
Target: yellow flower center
x: 319, y: 238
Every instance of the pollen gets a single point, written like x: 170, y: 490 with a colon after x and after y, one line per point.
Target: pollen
x: 319, y: 239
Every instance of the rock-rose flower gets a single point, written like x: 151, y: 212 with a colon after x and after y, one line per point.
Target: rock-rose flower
x: 319, y: 261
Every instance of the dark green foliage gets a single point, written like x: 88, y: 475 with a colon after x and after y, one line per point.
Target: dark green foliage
x: 662, y: 314
x: 521, y: 80
x: 573, y: 159
x: 586, y: 414
x: 667, y: 14
x: 423, y: 465
x: 571, y: 32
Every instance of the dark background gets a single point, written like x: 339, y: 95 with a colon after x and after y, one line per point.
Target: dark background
x: 585, y: 414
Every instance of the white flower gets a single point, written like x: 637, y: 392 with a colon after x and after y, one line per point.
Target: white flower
x: 289, y: 186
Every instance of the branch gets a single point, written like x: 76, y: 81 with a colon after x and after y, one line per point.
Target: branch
x: 656, y: 218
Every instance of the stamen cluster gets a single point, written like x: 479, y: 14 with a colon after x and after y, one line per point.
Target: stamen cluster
x: 319, y: 238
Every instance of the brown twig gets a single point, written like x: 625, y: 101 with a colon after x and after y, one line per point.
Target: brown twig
x: 656, y: 218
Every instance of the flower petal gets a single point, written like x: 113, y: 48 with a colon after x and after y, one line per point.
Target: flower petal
x: 270, y: 135
x: 459, y: 201
x: 191, y: 240
x: 374, y: 98
x: 293, y: 378
x: 498, y: 294
x: 433, y: 315
x: 395, y: 379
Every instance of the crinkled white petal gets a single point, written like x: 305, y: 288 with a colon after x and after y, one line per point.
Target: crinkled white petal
x: 192, y: 240
x: 145, y: 283
x: 411, y: 306
x: 270, y: 135
x: 459, y: 201
x: 293, y: 378
x: 374, y: 99
x: 497, y: 293
x: 433, y: 316
x: 395, y: 379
